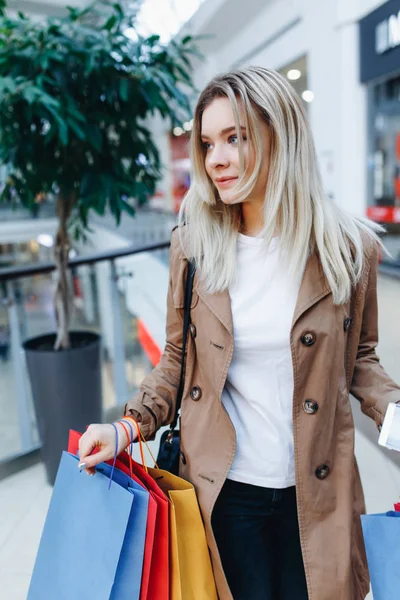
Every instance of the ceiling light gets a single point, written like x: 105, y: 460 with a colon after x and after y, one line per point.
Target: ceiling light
x: 45, y: 239
x: 308, y: 96
x: 177, y: 131
x: 187, y: 126
x: 293, y: 74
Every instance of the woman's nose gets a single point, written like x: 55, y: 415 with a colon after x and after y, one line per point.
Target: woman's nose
x: 218, y: 157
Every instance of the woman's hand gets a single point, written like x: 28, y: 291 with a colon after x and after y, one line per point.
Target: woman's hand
x: 102, y: 437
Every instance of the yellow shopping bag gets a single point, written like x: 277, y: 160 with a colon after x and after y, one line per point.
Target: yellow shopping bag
x: 191, y: 573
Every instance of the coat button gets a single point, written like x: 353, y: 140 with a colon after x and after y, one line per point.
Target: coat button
x: 193, y: 331
x: 195, y: 393
x: 308, y: 339
x: 347, y: 323
x: 322, y: 472
x: 310, y: 407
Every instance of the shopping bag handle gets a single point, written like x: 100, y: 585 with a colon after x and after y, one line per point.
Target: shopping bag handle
x: 115, y: 455
x: 141, y: 440
x: 116, y: 450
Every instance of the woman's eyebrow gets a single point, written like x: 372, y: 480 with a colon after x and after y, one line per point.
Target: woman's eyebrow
x: 224, y: 131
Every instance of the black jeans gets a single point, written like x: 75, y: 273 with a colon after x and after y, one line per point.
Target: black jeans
x: 257, y: 535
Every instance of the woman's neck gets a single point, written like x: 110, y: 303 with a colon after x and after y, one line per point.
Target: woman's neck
x: 252, y: 218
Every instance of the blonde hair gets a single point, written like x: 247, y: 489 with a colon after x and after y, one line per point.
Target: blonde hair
x: 295, y: 207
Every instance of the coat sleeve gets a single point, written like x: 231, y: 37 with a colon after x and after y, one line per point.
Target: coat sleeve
x: 154, y: 404
x: 371, y: 385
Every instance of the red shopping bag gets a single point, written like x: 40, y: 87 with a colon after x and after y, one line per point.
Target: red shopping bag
x: 160, y: 567
x: 155, y: 578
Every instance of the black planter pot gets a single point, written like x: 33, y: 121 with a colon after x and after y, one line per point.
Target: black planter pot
x: 66, y: 390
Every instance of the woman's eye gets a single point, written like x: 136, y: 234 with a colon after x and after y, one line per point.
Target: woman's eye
x: 233, y: 139
x: 206, y: 145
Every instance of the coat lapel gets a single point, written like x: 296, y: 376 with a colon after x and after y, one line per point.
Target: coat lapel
x: 314, y: 286
x: 219, y: 304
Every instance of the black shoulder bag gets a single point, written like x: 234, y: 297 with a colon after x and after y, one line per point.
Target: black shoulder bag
x: 169, y: 453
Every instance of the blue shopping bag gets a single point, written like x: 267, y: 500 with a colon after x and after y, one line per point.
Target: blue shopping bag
x: 89, y: 537
x: 129, y: 573
x: 382, y: 544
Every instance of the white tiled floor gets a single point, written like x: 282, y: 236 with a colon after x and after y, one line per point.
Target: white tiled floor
x: 24, y: 497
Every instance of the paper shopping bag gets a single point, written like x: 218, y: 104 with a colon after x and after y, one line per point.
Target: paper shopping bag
x: 155, y: 575
x: 87, y: 545
x: 382, y: 544
x: 128, y: 585
x: 191, y: 572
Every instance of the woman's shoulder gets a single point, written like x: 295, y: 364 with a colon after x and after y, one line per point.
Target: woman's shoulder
x: 370, y: 246
x: 179, y: 236
x: 363, y: 244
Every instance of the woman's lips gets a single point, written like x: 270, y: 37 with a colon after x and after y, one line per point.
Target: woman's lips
x: 225, y: 182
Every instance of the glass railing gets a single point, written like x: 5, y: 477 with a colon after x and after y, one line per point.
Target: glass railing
x: 115, y: 294
x: 45, y: 210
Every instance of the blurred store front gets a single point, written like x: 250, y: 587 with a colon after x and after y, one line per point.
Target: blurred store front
x: 380, y: 72
x: 296, y: 73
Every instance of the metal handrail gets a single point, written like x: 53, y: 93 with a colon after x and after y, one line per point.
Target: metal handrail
x: 10, y: 273
x: 391, y: 263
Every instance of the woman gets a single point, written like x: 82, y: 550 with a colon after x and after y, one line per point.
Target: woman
x: 283, y: 328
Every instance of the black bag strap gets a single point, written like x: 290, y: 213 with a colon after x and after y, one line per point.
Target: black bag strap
x: 186, y: 323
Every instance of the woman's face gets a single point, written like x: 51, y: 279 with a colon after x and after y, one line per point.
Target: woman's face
x: 218, y: 136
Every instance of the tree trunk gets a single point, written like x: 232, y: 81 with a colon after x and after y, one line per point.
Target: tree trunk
x: 62, y: 246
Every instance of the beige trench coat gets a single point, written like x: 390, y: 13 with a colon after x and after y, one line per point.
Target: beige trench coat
x: 333, y: 353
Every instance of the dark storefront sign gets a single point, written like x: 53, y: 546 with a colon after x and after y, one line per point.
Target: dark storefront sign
x: 380, y: 42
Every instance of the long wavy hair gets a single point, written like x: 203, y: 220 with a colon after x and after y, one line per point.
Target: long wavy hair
x: 296, y: 207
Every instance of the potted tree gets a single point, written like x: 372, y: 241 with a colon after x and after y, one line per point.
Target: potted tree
x: 75, y: 93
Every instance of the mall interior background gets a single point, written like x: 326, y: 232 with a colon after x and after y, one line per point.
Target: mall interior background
x: 343, y: 59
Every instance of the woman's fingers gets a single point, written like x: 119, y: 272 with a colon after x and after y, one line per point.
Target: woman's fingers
x: 87, y: 443
x: 94, y: 437
x: 89, y: 462
x: 104, y: 438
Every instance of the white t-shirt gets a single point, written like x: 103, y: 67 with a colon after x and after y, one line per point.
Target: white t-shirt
x: 258, y: 393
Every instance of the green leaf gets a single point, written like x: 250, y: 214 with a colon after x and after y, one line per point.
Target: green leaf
x: 95, y: 137
x: 62, y: 127
x: 8, y: 85
x: 127, y: 208
x: 124, y: 89
x: 153, y: 40
x: 118, y: 8
x: 78, y: 116
x: 110, y: 23
x: 79, y: 132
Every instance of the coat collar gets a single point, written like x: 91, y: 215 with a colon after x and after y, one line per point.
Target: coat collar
x: 314, y: 286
